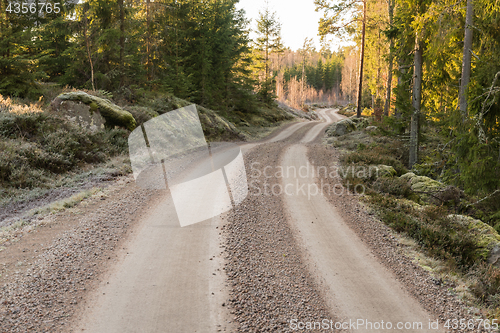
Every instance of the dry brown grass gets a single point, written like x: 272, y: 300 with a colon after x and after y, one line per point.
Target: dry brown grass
x: 8, y: 105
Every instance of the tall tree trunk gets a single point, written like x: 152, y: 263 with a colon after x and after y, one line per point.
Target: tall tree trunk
x: 148, y: 42
x: 466, y: 63
x: 397, y: 112
x: 417, y: 99
x: 387, y: 105
x: 267, y: 58
x: 363, y: 33
x: 122, y: 39
x: 87, y: 43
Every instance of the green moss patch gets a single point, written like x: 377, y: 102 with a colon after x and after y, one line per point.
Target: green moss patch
x: 112, y: 113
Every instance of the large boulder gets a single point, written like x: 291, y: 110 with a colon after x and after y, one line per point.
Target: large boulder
x: 433, y: 191
x: 486, y: 238
x: 79, y: 113
x: 341, y: 128
x: 112, y: 114
x: 423, y: 183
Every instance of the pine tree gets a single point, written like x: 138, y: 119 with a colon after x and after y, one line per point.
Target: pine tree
x: 268, y: 42
x: 18, y: 56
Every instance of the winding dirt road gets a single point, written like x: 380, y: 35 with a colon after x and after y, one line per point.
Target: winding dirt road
x: 171, y: 279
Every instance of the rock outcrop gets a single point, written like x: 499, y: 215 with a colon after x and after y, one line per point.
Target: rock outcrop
x: 486, y: 238
x: 87, y: 111
x: 341, y: 128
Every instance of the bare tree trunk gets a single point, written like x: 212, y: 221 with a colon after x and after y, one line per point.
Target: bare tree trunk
x: 397, y: 112
x: 417, y: 99
x: 85, y: 27
x: 122, y: 38
x: 387, y: 105
x: 148, y: 42
x: 466, y: 63
x: 363, y: 33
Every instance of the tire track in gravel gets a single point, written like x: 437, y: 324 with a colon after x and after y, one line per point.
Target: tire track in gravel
x: 171, y: 279
x: 48, y: 289
x: 433, y: 295
x: 357, y: 286
x: 270, y: 285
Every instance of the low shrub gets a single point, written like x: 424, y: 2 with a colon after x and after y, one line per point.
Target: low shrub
x: 36, y: 146
x: 486, y: 283
x: 393, y: 185
x: 373, y: 157
x: 438, y: 237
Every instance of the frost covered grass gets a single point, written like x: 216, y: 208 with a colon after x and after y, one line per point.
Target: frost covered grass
x: 37, y: 147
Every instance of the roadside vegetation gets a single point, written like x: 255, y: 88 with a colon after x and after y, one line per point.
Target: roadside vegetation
x: 42, y: 150
x: 131, y: 62
x: 429, y: 76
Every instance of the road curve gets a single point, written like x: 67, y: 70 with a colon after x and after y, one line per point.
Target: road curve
x: 357, y: 285
x: 169, y: 278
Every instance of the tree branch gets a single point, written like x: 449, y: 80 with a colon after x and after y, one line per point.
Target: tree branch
x: 485, y: 198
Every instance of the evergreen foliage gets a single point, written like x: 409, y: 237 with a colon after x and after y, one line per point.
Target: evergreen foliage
x: 267, y: 43
x: 195, y: 50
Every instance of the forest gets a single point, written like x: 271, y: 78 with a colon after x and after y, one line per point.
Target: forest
x: 421, y: 62
x: 429, y: 64
x: 195, y: 50
x: 424, y: 74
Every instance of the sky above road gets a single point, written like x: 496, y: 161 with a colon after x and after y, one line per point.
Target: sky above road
x: 298, y: 19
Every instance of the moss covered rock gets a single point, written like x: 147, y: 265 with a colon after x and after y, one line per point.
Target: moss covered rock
x: 360, y: 122
x: 423, y: 183
x: 426, y: 184
x: 386, y: 171
x: 408, y: 176
x: 487, y: 239
x: 112, y: 113
x: 341, y: 128
x: 427, y: 188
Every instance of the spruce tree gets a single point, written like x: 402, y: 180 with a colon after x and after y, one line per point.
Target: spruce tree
x: 268, y: 42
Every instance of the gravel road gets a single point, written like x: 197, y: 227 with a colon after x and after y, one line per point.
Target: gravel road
x: 121, y: 263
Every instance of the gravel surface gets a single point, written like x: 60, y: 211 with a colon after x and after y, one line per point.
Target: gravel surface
x: 44, y: 292
x: 435, y: 297
x: 270, y: 284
